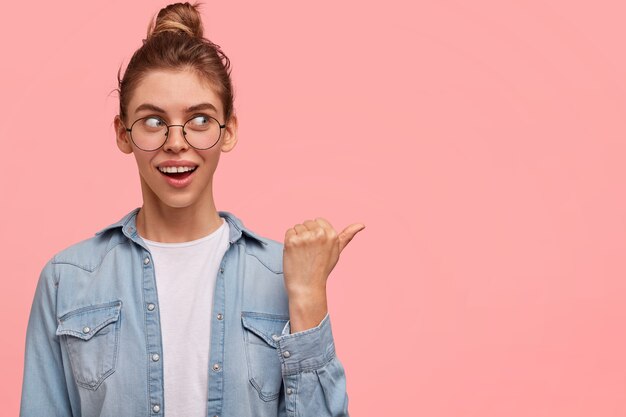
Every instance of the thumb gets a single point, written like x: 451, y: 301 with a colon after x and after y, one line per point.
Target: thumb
x: 348, y: 233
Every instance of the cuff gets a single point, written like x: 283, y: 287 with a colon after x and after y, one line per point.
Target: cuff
x: 307, y: 350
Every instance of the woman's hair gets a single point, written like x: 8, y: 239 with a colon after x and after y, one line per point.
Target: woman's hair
x: 175, y: 42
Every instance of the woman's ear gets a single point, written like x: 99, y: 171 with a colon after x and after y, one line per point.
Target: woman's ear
x: 121, y: 136
x: 230, y: 134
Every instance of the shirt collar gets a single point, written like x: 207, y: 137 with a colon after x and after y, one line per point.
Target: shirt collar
x: 128, y: 226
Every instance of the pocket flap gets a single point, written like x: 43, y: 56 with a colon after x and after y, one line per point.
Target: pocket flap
x: 266, y: 326
x: 87, y: 321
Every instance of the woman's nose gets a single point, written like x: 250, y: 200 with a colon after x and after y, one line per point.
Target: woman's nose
x: 175, y: 141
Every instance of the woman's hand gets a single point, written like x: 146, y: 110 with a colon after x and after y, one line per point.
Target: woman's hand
x: 310, y: 253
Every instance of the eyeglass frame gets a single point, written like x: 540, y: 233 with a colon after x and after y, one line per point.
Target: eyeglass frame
x: 167, y: 131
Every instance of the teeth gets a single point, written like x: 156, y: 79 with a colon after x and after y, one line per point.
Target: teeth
x: 172, y: 170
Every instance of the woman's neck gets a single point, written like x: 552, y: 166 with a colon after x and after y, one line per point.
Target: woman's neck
x: 161, y: 223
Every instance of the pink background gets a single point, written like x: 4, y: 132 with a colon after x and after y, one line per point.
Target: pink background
x: 482, y: 144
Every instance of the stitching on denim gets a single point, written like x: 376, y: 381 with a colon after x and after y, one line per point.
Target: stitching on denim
x: 263, y: 263
x: 297, y: 368
x: 249, y: 327
x: 80, y: 335
x: 85, y: 268
x: 56, y: 277
x: 145, y: 333
x: 312, y: 330
x: 295, y: 400
x: 117, y: 304
x: 249, y: 233
x: 83, y: 383
x: 265, y: 316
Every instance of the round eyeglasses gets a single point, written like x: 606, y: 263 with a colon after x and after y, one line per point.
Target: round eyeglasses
x: 200, y: 132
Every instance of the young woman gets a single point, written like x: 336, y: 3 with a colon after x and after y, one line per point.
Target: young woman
x: 179, y: 309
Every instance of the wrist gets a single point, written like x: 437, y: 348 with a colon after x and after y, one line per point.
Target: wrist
x: 303, y: 293
x: 307, y: 310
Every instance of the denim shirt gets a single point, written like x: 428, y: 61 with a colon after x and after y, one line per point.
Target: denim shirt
x: 94, y: 347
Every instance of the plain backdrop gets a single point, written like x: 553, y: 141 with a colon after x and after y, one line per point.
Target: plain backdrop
x: 482, y: 143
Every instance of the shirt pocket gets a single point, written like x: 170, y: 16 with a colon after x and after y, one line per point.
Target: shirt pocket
x: 261, y: 330
x: 91, y: 337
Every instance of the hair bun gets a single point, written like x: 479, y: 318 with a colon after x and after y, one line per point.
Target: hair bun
x: 177, y: 18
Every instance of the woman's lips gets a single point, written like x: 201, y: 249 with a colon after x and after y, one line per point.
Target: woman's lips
x: 179, y: 180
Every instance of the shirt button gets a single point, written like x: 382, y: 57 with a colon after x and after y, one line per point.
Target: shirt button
x: 155, y: 357
x: 275, y: 337
x: 86, y: 329
x: 221, y: 270
x: 286, y: 354
x: 150, y: 306
x: 146, y: 260
x: 216, y: 367
x: 220, y: 316
x: 156, y: 408
x: 289, y: 391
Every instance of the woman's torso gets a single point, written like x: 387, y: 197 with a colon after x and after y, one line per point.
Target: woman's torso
x: 109, y: 325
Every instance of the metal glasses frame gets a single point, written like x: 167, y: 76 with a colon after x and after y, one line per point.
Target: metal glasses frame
x: 167, y: 131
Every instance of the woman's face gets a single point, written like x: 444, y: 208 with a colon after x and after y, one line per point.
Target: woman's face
x: 168, y: 95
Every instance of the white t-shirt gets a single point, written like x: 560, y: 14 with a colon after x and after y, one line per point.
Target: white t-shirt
x: 185, y: 277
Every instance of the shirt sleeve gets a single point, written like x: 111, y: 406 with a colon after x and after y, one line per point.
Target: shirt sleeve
x: 44, y: 390
x: 314, y: 378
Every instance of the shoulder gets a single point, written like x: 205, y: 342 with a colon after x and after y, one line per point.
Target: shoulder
x: 89, y: 253
x: 269, y: 254
x: 83, y: 258
x: 268, y: 251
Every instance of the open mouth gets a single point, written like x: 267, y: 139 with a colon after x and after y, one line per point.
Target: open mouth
x: 178, y: 173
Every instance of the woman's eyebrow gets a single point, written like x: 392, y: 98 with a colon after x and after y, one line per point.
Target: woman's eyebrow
x: 152, y: 107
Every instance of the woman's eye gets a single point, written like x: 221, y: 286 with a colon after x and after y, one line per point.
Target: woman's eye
x: 153, y: 122
x: 199, y: 120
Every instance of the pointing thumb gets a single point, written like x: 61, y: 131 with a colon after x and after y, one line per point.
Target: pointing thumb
x: 348, y: 233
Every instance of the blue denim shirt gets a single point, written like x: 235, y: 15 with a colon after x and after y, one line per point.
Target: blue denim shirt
x: 93, y: 343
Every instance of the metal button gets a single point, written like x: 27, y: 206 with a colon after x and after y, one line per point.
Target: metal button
x: 286, y: 354
x: 151, y: 306
x: 216, y: 367
x: 289, y: 391
x: 155, y: 357
x: 220, y: 316
x: 146, y: 260
x: 275, y: 337
x: 156, y: 408
x: 86, y: 329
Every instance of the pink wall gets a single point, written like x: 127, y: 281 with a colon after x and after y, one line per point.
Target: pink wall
x: 482, y: 144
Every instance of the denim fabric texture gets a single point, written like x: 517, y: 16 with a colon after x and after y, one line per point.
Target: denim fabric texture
x: 93, y: 343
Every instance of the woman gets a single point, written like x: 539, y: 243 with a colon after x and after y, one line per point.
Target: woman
x: 239, y: 325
